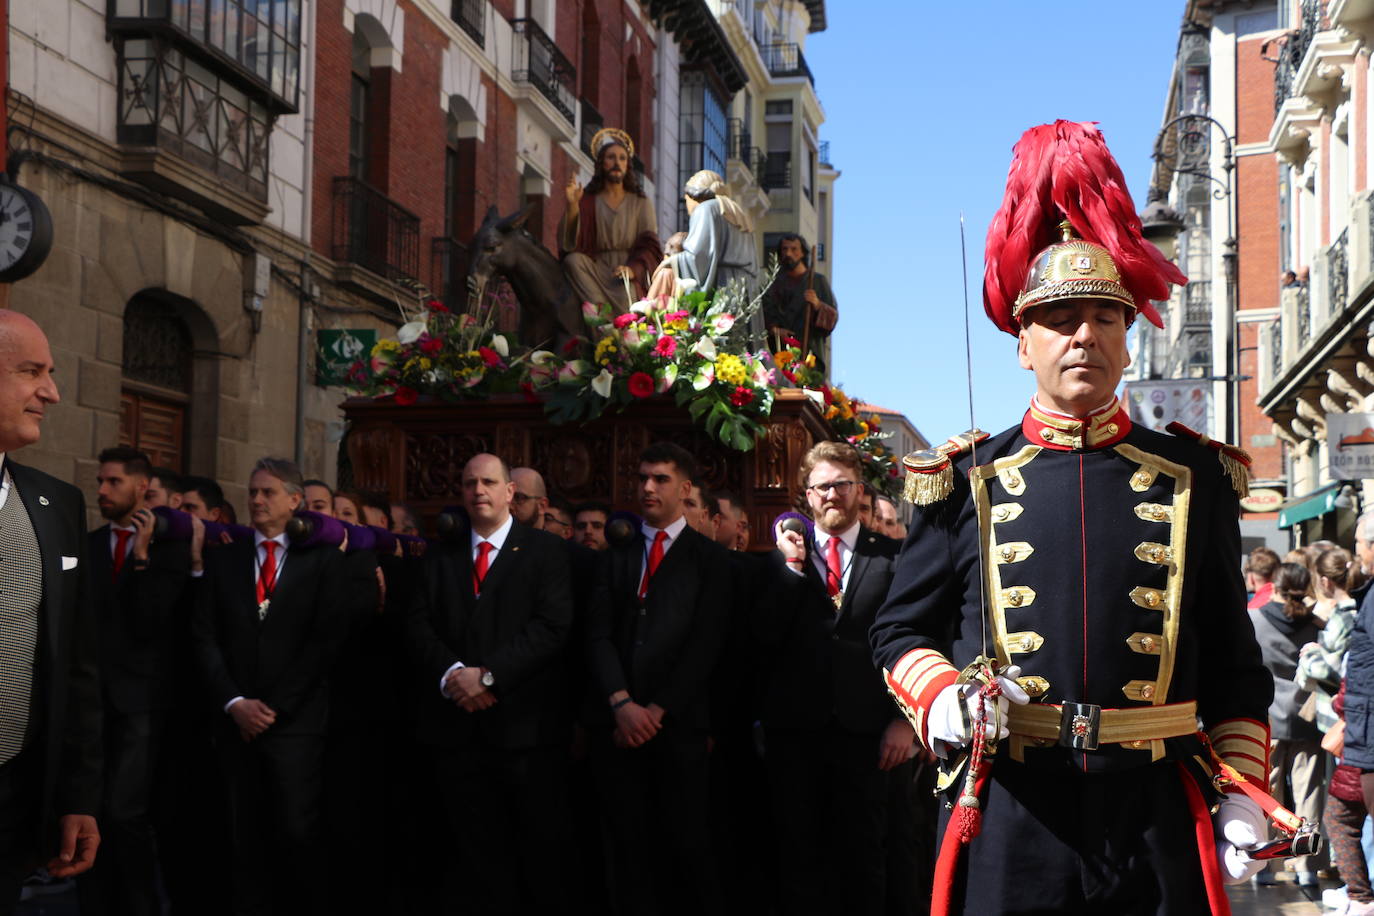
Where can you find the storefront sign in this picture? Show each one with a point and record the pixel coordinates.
(337, 349)
(1350, 445)
(1155, 403)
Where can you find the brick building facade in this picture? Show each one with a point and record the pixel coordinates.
(224, 188)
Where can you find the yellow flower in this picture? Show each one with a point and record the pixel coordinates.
(831, 412)
(810, 360)
(385, 345)
(875, 421)
(605, 348)
(730, 369)
(863, 429)
(425, 363)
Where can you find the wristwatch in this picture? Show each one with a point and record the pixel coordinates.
(487, 679)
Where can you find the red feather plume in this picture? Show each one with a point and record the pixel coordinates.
(1065, 171)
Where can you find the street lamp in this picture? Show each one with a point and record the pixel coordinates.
(1184, 147)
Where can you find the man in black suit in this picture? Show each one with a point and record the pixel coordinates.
(487, 632)
(656, 623)
(49, 670)
(834, 738)
(141, 585)
(267, 624)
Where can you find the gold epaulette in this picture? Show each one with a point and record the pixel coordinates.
(1234, 459)
(930, 471)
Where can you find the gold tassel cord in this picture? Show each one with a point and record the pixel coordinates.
(925, 488)
(1237, 471)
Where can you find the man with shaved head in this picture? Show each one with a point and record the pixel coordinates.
(50, 707)
(488, 629)
(531, 498)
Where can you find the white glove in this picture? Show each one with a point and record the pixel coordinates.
(1239, 824)
(945, 723)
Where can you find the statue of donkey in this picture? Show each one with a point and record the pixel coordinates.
(549, 311)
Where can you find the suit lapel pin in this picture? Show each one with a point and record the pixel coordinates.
(42, 500)
(514, 549)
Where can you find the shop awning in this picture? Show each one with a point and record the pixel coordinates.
(1313, 505)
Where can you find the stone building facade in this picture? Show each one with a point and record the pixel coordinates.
(224, 188)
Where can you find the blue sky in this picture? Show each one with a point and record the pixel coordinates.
(923, 103)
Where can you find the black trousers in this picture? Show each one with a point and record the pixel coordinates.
(274, 785)
(830, 813)
(655, 803)
(21, 785)
(508, 830)
(124, 880)
(1059, 841)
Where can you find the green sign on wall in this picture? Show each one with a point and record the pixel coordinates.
(337, 349)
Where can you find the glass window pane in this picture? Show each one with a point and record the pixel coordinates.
(217, 23)
(278, 65)
(231, 30)
(279, 16)
(198, 19)
(180, 11)
(249, 56)
(293, 21)
(293, 74)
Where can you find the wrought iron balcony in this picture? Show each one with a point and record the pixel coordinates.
(777, 171)
(739, 139)
(449, 261)
(539, 63)
(471, 17)
(1338, 273)
(257, 45)
(823, 153)
(373, 231)
(1197, 303)
(820, 251)
(1295, 49)
(785, 59)
(168, 102)
(591, 123)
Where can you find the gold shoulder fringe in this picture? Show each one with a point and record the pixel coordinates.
(930, 472)
(1235, 461)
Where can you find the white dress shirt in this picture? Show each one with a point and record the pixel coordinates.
(4, 480)
(497, 540)
(847, 541)
(114, 540)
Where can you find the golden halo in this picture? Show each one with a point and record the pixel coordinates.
(611, 135)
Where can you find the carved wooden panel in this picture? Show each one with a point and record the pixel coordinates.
(155, 426)
(434, 464)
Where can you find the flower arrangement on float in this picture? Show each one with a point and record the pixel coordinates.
(681, 346)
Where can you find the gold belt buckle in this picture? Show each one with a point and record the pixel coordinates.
(1078, 725)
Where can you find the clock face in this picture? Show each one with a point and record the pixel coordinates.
(16, 225)
(25, 232)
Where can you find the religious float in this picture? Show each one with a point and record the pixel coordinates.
(579, 404)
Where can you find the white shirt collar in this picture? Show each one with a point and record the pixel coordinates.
(1035, 400)
(498, 537)
(259, 537)
(848, 538)
(674, 529)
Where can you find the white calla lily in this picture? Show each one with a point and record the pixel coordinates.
(410, 332)
(498, 343)
(705, 348)
(602, 383)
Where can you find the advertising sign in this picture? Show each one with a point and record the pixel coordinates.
(1350, 445)
(337, 349)
(1155, 403)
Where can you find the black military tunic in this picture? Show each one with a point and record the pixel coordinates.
(1112, 577)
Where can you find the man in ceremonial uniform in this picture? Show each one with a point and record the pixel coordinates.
(609, 233)
(1108, 593)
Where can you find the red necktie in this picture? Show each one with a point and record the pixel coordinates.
(120, 550)
(479, 569)
(655, 558)
(267, 574)
(834, 575)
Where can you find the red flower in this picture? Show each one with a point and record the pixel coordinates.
(892, 471)
(641, 384)
(741, 396)
(490, 357)
(406, 396)
(790, 376)
(624, 321)
(528, 389)
(825, 393)
(570, 348)
(430, 345)
(791, 341)
(665, 347)
(436, 306)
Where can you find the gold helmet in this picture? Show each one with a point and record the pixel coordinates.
(1072, 268)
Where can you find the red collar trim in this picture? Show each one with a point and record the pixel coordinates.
(1104, 428)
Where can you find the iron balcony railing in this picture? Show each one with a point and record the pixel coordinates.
(739, 138)
(786, 59)
(1338, 273)
(823, 153)
(373, 231)
(777, 171)
(471, 17)
(591, 123)
(820, 251)
(538, 62)
(1302, 314)
(448, 271)
(1197, 302)
(1295, 49)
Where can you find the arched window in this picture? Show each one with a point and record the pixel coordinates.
(156, 392)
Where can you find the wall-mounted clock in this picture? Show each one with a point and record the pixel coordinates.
(25, 231)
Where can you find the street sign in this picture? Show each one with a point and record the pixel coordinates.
(1350, 445)
(337, 349)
